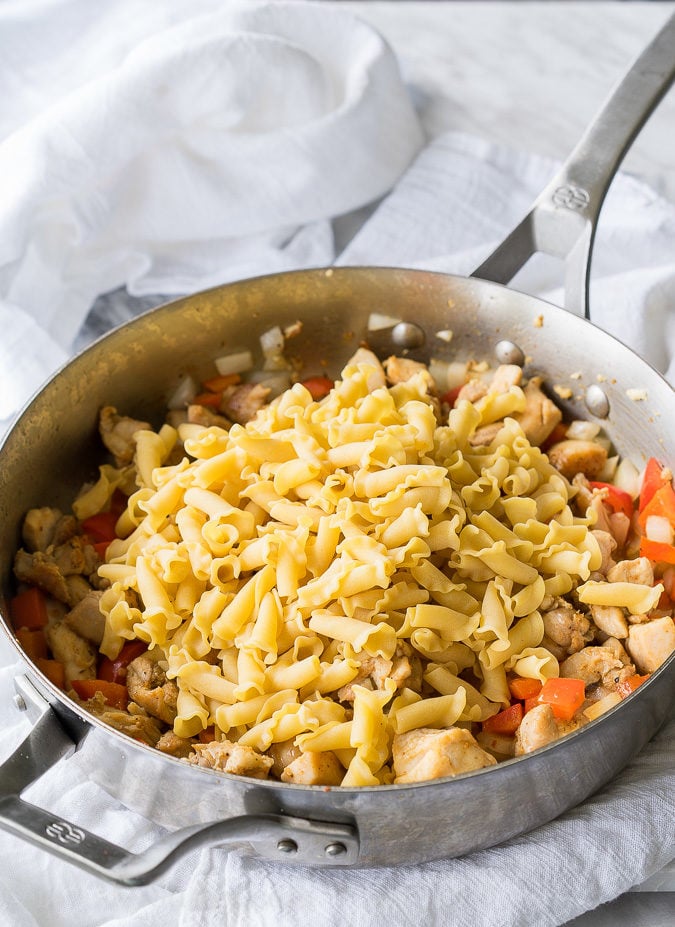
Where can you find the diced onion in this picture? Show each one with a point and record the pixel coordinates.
(237, 362)
(658, 528)
(445, 334)
(184, 393)
(582, 431)
(377, 321)
(627, 477)
(276, 383)
(602, 705)
(438, 370)
(272, 341)
(457, 372)
(606, 475)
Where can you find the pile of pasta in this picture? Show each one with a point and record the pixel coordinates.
(275, 556)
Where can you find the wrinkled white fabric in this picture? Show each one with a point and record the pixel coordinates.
(451, 206)
(173, 146)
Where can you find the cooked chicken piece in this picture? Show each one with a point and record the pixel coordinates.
(638, 619)
(174, 745)
(538, 728)
(473, 390)
(45, 526)
(607, 546)
(86, 618)
(590, 664)
(540, 415)
(504, 377)
(610, 619)
(573, 456)
(134, 722)
(402, 369)
(584, 493)
(314, 768)
(652, 643)
(77, 655)
(149, 688)
(619, 524)
(207, 418)
(117, 433)
(639, 571)
(232, 758)
(486, 434)
(78, 588)
(374, 671)
(427, 753)
(75, 556)
(566, 627)
(558, 652)
(39, 569)
(364, 356)
(283, 753)
(242, 403)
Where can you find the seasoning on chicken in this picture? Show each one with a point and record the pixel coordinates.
(638, 571)
(207, 418)
(567, 627)
(174, 745)
(134, 722)
(374, 670)
(45, 526)
(402, 369)
(117, 433)
(574, 455)
(242, 403)
(238, 759)
(590, 664)
(610, 619)
(540, 415)
(537, 729)
(149, 688)
(77, 655)
(314, 768)
(39, 569)
(427, 753)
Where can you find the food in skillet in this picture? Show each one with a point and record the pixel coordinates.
(355, 583)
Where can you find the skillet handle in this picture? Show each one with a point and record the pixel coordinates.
(275, 836)
(563, 218)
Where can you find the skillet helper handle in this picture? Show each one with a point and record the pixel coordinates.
(274, 836)
(563, 218)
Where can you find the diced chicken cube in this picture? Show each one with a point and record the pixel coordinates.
(149, 688)
(314, 768)
(610, 619)
(402, 369)
(427, 753)
(45, 526)
(573, 456)
(242, 403)
(567, 627)
(77, 655)
(639, 571)
(117, 433)
(174, 745)
(537, 729)
(238, 759)
(540, 415)
(590, 664)
(652, 643)
(86, 618)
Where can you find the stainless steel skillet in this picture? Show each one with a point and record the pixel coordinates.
(53, 448)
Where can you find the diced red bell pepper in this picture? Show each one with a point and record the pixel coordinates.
(53, 670)
(506, 722)
(219, 383)
(559, 433)
(318, 387)
(651, 481)
(657, 551)
(100, 527)
(212, 400)
(116, 670)
(28, 609)
(565, 696)
(523, 688)
(630, 685)
(617, 499)
(114, 693)
(662, 504)
(450, 398)
(118, 502)
(33, 643)
(207, 735)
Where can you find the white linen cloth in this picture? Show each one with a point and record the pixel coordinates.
(452, 204)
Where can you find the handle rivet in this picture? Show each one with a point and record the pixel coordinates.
(335, 849)
(407, 335)
(20, 702)
(287, 846)
(508, 352)
(596, 401)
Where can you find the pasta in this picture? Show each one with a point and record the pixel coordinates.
(341, 571)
